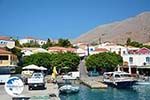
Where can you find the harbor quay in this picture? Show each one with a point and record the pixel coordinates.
(49, 93)
(93, 84)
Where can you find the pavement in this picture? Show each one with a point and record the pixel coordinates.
(50, 93)
(83, 73)
(83, 70)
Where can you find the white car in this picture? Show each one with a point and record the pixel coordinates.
(71, 76)
(37, 80)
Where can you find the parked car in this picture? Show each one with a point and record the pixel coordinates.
(71, 75)
(93, 73)
(37, 80)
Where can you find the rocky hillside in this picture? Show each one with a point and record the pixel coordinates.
(137, 28)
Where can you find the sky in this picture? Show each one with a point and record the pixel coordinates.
(63, 18)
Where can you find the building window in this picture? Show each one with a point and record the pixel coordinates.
(148, 60)
(91, 49)
(3, 57)
(131, 60)
(124, 52)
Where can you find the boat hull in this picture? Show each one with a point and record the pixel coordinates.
(68, 89)
(122, 84)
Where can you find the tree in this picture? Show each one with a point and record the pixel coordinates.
(60, 60)
(128, 41)
(64, 43)
(48, 44)
(39, 59)
(66, 60)
(107, 61)
(136, 44)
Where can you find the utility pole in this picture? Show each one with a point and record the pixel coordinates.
(88, 52)
(100, 40)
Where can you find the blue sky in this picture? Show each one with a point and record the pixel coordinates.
(63, 18)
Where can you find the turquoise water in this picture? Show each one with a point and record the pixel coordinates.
(138, 92)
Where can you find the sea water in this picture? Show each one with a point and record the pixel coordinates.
(138, 92)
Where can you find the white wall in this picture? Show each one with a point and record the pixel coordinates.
(138, 60)
(3, 43)
(41, 42)
(22, 41)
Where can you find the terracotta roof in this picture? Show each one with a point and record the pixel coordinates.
(3, 51)
(30, 38)
(140, 51)
(143, 51)
(132, 51)
(56, 48)
(61, 49)
(5, 38)
(101, 50)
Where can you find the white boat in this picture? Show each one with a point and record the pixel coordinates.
(67, 89)
(143, 81)
(119, 79)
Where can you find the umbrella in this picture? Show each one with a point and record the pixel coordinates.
(32, 67)
(42, 68)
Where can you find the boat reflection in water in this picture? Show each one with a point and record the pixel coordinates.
(119, 79)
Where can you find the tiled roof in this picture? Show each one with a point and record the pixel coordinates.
(30, 38)
(61, 49)
(140, 51)
(143, 51)
(5, 38)
(3, 51)
(101, 50)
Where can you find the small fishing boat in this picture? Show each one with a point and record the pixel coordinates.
(119, 79)
(68, 89)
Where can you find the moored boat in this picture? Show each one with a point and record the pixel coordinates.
(68, 89)
(119, 79)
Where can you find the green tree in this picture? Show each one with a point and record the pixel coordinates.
(136, 44)
(48, 44)
(39, 59)
(64, 43)
(66, 60)
(107, 61)
(128, 41)
(60, 60)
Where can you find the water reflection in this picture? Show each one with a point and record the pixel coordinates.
(138, 92)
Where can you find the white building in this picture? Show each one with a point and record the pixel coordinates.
(140, 57)
(6, 41)
(30, 51)
(30, 39)
(41, 42)
(84, 49)
(114, 48)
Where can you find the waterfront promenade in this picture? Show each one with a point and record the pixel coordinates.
(92, 82)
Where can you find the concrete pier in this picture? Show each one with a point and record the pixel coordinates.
(93, 83)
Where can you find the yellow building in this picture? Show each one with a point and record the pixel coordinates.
(7, 58)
